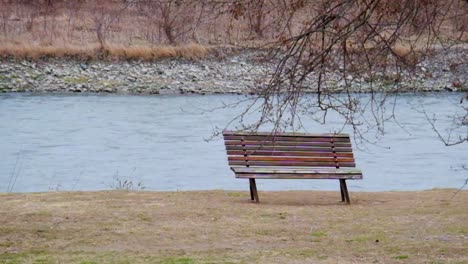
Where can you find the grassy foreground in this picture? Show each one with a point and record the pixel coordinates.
(224, 227)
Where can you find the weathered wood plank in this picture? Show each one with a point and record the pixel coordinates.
(285, 143)
(289, 153)
(289, 139)
(256, 170)
(286, 134)
(302, 159)
(298, 176)
(289, 148)
(290, 163)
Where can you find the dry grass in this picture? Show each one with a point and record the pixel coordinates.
(32, 51)
(69, 29)
(224, 227)
(409, 55)
(72, 28)
(37, 51)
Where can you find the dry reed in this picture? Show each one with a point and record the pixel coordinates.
(109, 51)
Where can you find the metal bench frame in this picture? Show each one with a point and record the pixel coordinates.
(264, 155)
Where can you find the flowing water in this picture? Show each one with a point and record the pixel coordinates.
(95, 142)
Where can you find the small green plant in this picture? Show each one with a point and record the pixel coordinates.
(402, 257)
(173, 260)
(318, 234)
(42, 261)
(6, 244)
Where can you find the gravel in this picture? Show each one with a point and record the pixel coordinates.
(238, 74)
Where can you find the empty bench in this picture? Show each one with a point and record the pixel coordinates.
(291, 156)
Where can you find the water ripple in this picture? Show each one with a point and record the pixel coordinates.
(82, 142)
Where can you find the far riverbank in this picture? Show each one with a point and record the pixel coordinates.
(236, 73)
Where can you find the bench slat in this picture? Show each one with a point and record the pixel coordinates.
(302, 159)
(286, 143)
(298, 176)
(290, 163)
(283, 134)
(297, 173)
(289, 148)
(290, 139)
(297, 170)
(289, 153)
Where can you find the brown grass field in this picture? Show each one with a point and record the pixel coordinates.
(225, 227)
(160, 28)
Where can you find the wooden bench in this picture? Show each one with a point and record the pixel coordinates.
(291, 156)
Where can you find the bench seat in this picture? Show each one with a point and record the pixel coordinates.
(296, 173)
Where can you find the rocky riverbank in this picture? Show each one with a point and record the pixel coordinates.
(447, 71)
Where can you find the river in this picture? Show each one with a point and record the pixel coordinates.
(97, 142)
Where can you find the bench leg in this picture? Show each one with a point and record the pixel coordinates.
(253, 191)
(344, 190)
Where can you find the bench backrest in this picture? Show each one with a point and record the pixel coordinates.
(288, 149)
